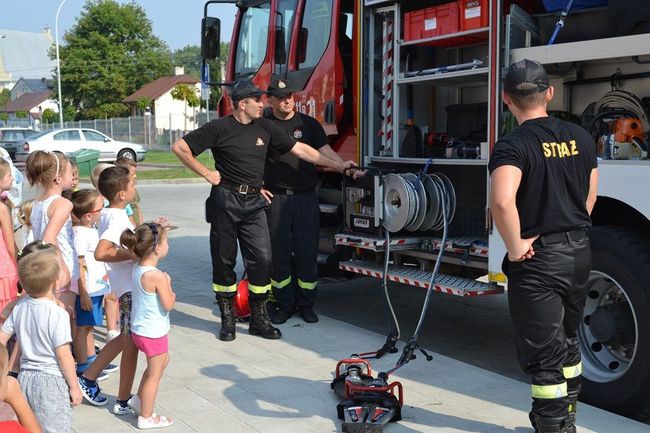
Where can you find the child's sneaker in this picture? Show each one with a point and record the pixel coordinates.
(122, 408)
(152, 422)
(134, 403)
(91, 392)
(101, 376)
(110, 368)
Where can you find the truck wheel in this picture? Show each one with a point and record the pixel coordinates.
(615, 330)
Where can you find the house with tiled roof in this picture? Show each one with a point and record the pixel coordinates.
(29, 85)
(25, 55)
(33, 104)
(169, 113)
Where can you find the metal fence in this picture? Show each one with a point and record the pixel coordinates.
(140, 129)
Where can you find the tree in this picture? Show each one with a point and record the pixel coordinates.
(49, 116)
(5, 96)
(142, 104)
(183, 92)
(21, 114)
(189, 57)
(110, 53)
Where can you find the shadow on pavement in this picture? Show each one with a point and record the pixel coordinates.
(280, 391)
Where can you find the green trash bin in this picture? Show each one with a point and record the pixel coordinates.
(86, 160)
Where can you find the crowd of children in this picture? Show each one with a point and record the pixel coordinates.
(85, 251)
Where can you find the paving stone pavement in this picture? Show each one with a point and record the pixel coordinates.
(257, 385)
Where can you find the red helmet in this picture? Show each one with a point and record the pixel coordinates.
(240, 302)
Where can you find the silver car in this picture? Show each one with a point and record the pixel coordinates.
(70, 140)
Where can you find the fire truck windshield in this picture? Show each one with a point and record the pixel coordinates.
(252, 41)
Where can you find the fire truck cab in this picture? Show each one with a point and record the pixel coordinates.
(412, 88)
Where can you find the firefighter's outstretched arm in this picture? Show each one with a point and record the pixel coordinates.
(503, 202)
(184, 154)
(309, 154)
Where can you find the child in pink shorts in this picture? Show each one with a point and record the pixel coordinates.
(153, 298)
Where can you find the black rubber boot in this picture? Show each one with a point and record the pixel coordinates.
(260, 323)
(227, 331)
(573, 389)
(551, 425)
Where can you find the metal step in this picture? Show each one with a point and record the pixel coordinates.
(469, 245)
(412, 276)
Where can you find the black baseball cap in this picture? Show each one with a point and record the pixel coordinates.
(245, 89)
(279, 89)
(526, 72)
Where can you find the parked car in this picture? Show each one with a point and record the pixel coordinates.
(70, 140)
(12, 137)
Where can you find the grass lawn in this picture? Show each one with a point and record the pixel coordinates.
(162, 157)
(167, 173)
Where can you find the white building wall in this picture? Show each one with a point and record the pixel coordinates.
(166, 108)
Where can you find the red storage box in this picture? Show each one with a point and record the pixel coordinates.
(474, 14)
(430, 22)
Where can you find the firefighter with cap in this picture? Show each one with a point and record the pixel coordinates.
(235, 208)
(290, 186)
(544, 178)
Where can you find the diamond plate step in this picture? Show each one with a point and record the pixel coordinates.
(411, 276)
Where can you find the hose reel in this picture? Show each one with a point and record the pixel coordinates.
(414, 203)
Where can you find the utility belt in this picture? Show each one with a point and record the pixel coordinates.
(559, 237)
(283, 191)
(241, 189)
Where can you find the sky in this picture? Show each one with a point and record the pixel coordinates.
(177, 22)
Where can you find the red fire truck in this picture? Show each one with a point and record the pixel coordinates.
(412, 88)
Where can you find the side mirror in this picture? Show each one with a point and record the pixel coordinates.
(210, 38)
(280, 49)
(106, 140)
(302, 45)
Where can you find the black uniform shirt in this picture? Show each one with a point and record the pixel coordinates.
(556, 159)
(288, 171)
(239, 150)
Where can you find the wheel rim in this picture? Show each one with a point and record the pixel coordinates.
(604, 357)
(128, 155)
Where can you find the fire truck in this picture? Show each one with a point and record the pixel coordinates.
(411, 90)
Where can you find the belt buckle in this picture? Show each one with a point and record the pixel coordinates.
(242, 189)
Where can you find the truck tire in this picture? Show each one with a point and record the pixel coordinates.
(615, 331)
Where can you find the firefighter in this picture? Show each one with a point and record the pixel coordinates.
(235, 208)
(290, 187)
(544, 177)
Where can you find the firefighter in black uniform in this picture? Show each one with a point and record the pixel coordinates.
(544, 180)
(235, 208)
(290, 186)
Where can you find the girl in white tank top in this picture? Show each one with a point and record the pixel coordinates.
(50, 217)
(153, 299)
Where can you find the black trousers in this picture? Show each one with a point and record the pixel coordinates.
(238, 217)
(294, 227)
(546, 296)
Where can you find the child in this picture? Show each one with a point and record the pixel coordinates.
(8, 271)
(153, 299)
(11, 395)
(112, 308)
(116, 185)
(133, 209)
(24, 216)
(93, 280)
(42, 329)
(51, 214)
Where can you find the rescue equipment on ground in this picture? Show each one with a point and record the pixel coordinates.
(409, 202)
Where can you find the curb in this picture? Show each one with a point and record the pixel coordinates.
(87, 183)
